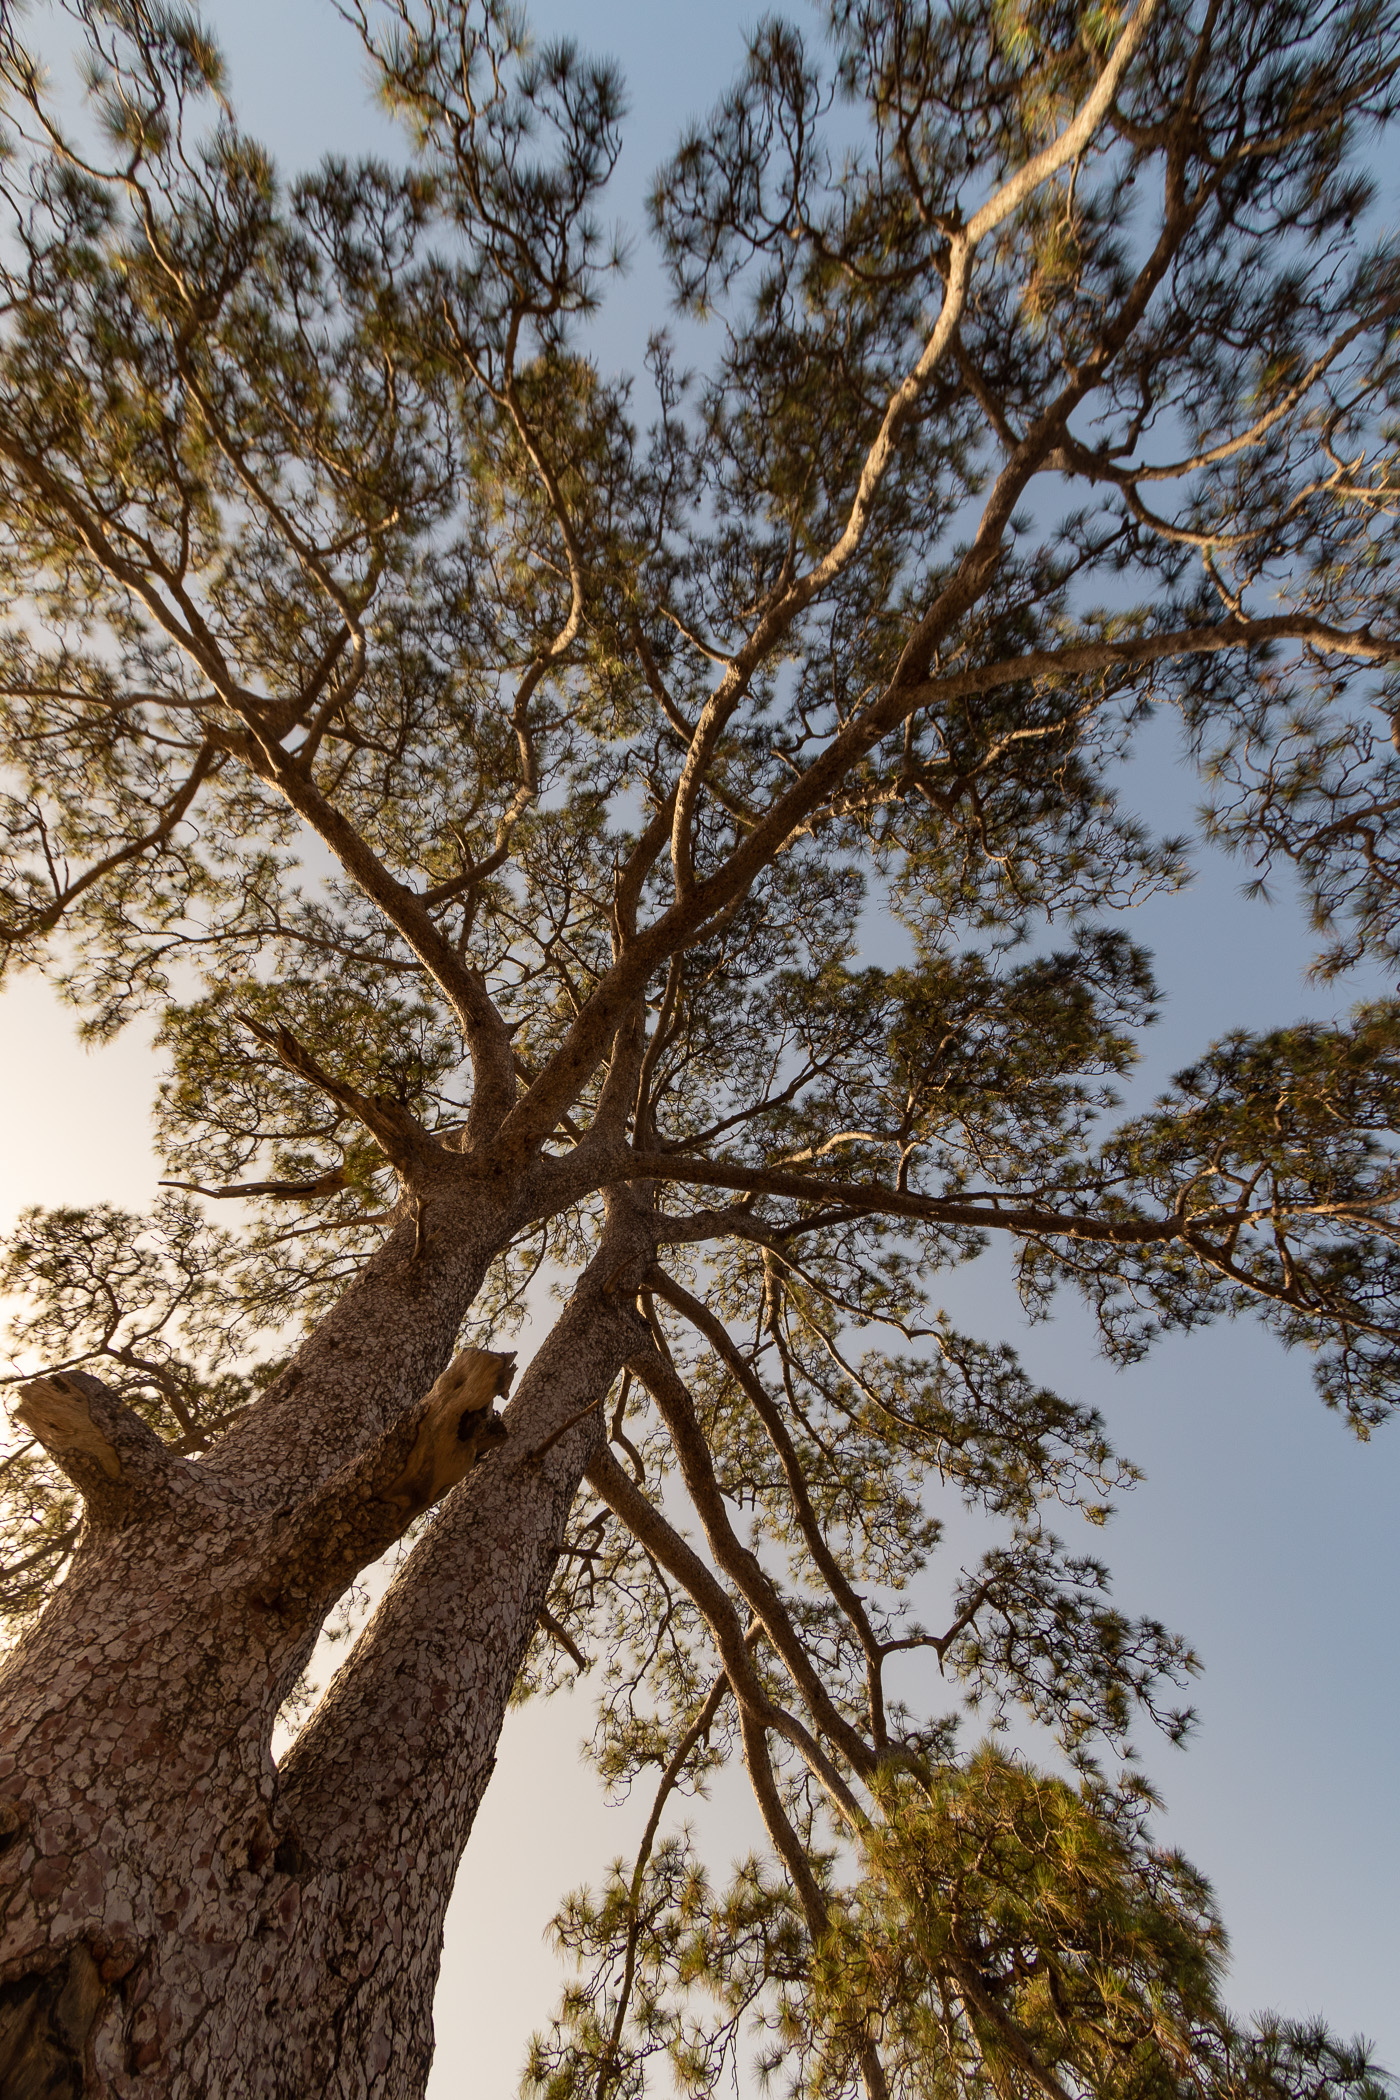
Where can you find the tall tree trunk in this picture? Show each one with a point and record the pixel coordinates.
(176, 1916)
(383, 1785)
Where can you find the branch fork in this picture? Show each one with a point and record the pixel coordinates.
(396, 1130)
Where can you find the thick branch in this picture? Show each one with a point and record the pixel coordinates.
(846, 1596)
(1082, 658)
(327, 1184)
(793, 1853)
(395, 1129)
(206, 760)
(865, 1198)
(883, 451)
(117, 1463)
(487, 1037)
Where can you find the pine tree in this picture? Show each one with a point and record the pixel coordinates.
(481, 765)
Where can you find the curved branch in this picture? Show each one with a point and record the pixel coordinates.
(722, 1342)
(671, 1552)
(206, 760)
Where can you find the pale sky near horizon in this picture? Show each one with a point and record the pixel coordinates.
(1263, 1532)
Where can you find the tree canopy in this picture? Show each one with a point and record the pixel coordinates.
(487, 769)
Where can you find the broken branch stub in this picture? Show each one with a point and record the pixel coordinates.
(455, 1425)
(371, 1501)
(112, 1457)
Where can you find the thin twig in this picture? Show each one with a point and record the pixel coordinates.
(532, 1458)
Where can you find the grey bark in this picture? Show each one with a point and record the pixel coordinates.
(178, 1916)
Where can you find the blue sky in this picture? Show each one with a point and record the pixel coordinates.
(1263, 1531)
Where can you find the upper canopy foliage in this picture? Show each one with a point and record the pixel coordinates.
(478, 760)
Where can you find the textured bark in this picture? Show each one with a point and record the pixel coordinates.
(384, 1783)
(175, 1915)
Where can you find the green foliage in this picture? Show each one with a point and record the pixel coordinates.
(650, 1945)
(1278, 1155)
(1004, 1915)
(427, 725)
(1005, 1933)
(152, 1305)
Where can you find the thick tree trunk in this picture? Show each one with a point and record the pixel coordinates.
(175, 1915)
(383, 1785)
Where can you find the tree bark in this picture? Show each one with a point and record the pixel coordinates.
(176, 1915)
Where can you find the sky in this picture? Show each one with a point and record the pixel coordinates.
(1263, 1531)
